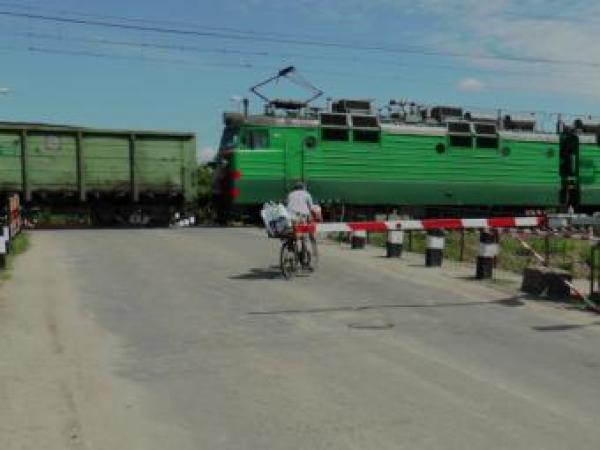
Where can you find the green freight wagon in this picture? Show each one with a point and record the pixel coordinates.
(119, 176)
(431, 158)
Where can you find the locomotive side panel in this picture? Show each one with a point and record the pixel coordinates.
(408, 169)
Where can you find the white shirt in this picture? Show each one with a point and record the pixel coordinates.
(299, 202)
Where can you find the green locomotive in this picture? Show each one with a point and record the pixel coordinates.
(117, 176)
(410, 157)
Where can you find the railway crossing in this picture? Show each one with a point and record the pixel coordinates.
(490, 229)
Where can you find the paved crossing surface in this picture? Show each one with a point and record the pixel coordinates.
(189, 339)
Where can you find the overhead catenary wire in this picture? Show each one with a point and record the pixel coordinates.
(569, 16)
(257, 67)
(287, 56)
(244, 52)
(144, 21)
(240, 34)
(248, 36)
(106, 55)
(134, 57)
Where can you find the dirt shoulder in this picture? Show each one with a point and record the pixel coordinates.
(57, 389)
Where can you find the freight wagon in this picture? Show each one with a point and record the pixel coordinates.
(432, 158)
(118, 176)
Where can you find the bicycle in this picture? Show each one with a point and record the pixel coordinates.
(294, 257)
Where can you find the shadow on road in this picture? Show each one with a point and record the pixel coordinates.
(511, 301)
(259, 274)
(564, 327)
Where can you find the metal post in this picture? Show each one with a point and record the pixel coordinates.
(410, 241)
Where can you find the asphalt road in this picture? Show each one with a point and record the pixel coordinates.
(189, 339)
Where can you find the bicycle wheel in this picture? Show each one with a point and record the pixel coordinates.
(288, 259)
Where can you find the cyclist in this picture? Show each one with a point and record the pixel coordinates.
(299, 204)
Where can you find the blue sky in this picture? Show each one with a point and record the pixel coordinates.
(523, 55)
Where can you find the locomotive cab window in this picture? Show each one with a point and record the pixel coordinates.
(229, 138)
(255, 139)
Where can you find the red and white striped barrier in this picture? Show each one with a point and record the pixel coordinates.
(574, 291)
(425, 224)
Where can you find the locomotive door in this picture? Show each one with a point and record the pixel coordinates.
(569, 168)
(292, 158)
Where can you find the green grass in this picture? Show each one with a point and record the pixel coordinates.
(571, 255)
(18, 245)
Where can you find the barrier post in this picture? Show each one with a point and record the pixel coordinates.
(7, 236)
(395, 240)
(358, 240)
(434, 254)
(594, 279)
(488, 250)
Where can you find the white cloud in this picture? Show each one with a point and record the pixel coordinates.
(206, 154)
(534, 30)
(470, 85)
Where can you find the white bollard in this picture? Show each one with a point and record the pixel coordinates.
(7, 236)
(434, 255)
(3, 242)
(358, 240)
(395, 241)
(488, 250)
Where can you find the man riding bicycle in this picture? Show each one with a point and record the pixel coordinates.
(299, 203)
